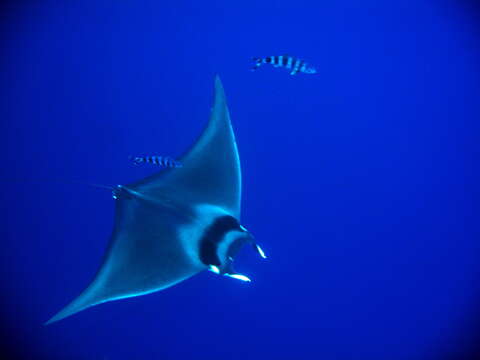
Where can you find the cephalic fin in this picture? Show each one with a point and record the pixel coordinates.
(229, 271)
(259, 251)
(239, 277)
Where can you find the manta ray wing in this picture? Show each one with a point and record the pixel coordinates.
(158, 227)
(146, 253)
(211, 168)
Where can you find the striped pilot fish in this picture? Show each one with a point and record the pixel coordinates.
(292, 63)
(164, 161)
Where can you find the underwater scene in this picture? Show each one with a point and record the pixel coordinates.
(198, 180)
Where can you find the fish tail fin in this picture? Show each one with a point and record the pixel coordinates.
(258, 61)
(133, 159)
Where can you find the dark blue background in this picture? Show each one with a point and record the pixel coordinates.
(358, 182)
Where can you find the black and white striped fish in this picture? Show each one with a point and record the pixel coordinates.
(292, 63)
(164, 161)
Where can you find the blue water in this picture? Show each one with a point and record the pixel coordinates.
(358, 181)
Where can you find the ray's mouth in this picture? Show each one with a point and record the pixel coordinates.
(222, 241)
(227, 268)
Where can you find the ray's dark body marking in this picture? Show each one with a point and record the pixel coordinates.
(213, 236)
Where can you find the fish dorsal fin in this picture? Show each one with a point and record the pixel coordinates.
(211, 168)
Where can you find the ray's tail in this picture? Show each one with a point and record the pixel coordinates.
(58, 181)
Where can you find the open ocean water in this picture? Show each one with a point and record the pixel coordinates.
(360, 182)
